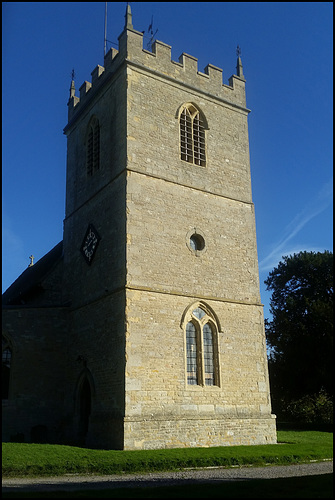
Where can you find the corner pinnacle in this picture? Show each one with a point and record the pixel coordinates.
(239, 67)
(72, 87)
(128, 18)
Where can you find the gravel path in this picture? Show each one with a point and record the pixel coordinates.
(77, 482)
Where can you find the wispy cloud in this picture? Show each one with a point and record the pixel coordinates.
(317, 205)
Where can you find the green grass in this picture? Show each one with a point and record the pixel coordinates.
(25, 459)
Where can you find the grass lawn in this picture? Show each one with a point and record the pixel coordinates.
(27, 459)
(24, 459)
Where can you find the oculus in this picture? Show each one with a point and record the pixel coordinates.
(195, 241)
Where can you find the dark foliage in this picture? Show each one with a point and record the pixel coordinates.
(300, 335)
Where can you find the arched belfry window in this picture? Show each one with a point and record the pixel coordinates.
(201, 329)
(6, 366)
(192, 136)
(93, 147)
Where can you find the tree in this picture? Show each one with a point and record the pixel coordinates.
(300, 335)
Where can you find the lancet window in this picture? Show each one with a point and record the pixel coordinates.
(93, 147)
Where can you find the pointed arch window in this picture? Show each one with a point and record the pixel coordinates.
(208, 355)
(6, 366)
(202, 357)
(191, 354)
(93, 147)
(192, 136)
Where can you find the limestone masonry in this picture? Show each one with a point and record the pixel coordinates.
(144, 327)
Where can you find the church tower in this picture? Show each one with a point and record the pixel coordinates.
(165, 343)
(160, 252)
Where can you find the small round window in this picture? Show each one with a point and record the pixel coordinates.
(197, 242)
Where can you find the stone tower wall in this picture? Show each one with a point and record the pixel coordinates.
(162, 410)
(167, 200)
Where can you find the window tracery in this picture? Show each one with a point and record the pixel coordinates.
(201, 335)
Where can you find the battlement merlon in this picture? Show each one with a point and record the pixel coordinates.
(159, 62)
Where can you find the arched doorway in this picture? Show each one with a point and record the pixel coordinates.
(85, 404)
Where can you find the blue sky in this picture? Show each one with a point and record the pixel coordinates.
(288, 64)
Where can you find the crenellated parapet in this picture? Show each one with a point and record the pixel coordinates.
(158, 62)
